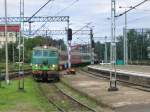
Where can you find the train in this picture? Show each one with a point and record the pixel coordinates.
(47, 61)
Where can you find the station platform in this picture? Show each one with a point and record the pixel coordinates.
(132, 69)
(131, 73)
(125, 100)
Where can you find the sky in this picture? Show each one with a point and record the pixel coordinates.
(82, 12)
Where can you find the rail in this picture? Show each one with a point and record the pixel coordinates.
(14, 74)
(84, 105)
(64, 94)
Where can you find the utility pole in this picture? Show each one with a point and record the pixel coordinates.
(13, 41)
(125, 42)
(106, 59)
(6, 44)
(125, 39)
(22, 13)
(113, 81)
(21, 48)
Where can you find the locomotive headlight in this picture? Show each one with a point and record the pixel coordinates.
(54, 66)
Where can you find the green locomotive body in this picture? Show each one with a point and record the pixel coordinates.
(45, 63)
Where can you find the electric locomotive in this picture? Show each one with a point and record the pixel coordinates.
(45, 63)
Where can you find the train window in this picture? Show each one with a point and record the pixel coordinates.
(45, 53)
(37, 53)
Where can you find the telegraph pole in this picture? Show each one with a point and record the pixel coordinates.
(6, 44)
(113, 82)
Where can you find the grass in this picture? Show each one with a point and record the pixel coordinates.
(80, 97)
(12, 100)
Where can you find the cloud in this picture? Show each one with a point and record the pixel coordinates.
(82, 12)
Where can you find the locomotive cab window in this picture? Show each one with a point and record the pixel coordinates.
(37, 53)
(45, 53)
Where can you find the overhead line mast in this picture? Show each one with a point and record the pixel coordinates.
(113, 81)
(132, 8)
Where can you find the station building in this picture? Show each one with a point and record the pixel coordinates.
(13, 31)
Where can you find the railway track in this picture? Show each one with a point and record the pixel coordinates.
(14, 74)
(70, 103)
(125, 83)
(49, 100)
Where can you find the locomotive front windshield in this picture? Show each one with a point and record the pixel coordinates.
(45, 53)
(37, 53)
(48, 56)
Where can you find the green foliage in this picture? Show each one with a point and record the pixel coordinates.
(30, 43)
(119, 48)
(137, 45)
(100, 49)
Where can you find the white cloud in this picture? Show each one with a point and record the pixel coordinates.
(82, 12)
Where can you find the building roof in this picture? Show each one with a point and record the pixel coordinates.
(10, 28)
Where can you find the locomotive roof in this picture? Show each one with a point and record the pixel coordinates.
(47, 47)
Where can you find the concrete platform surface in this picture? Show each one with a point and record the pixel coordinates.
(132, 68)
(125, 100)
(135, 70)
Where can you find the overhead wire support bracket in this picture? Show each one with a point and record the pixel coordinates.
(132, 8)
(60, 32)
(36, 19)
(39, 10)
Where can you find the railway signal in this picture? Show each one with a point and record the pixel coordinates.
(92, 46)
(69, 34)
(69, 38)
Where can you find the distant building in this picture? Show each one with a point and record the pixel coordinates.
(12, 34)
